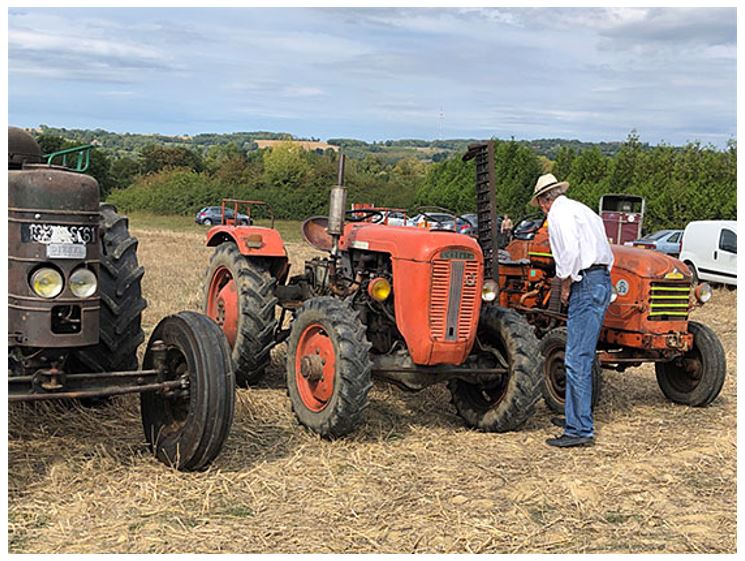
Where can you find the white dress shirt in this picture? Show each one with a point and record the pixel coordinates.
(577, 237)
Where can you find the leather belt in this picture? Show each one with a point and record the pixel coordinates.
(594, 267)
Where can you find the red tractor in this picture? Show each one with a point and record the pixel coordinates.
(647, 320)
(405, 304)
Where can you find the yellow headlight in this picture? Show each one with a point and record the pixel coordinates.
(379, 289)
(489, 291)
(83, 283)
(47, 282)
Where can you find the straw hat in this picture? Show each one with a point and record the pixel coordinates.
(545, 184)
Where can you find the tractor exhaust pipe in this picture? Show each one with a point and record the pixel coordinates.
(337, 207)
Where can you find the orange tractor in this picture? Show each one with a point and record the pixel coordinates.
(647, 320)
(405, 304)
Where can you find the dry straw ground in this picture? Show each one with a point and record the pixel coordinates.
(660, 479)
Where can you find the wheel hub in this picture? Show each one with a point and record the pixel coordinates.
(315, 367)
(311, 367)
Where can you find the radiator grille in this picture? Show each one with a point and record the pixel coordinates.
(453, 299)
(669, 301)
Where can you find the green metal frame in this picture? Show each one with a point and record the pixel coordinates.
(82, 157)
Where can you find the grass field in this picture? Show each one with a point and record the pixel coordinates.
(661, 478)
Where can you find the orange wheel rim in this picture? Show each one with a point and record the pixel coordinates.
(222, 303)
(315, 367)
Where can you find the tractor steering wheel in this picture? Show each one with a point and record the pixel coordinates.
(426, 210)
(363, 214)
(528, 226)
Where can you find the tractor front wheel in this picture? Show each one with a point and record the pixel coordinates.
(328, 367)
(697, 377)
(239, 296)
(186, 427)
(506, 403)
(553, 347)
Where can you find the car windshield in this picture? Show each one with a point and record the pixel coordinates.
(656, 235)
(438, 217)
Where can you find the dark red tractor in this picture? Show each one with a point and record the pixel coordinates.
(74, 310)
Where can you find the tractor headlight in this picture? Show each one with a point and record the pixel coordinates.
(703, 292)
(83, 283)
(47, 282)
(379, 289)
(613, 294)
(489, 291)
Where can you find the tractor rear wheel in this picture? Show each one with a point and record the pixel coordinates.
(121, 300)
(186, 428)
(239, 296)
(697, 377)
(328, 367)
(508, 402)
(552, 347)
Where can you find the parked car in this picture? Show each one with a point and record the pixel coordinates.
(666, 241)
(210, 215)
(467, 224)
(434, 221)
(709, 248)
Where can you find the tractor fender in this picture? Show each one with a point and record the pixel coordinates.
(262, 245)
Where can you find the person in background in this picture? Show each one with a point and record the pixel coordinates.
(506, 227)
(583, 260)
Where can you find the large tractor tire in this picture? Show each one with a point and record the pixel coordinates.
(697, 377)
(121, 299)
(552, 347)
(508, 402)
(239, 296)
(186, 428)
(328, 367)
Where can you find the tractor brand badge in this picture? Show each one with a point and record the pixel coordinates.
(470, 279)
(674, 274)
(456, 254)
(622, 287)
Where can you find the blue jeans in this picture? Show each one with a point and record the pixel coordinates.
(588, 301)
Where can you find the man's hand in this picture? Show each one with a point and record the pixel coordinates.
(566, 288)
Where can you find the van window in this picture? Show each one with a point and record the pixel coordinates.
(728, 241)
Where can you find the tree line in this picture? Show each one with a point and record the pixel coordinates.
(680, 184)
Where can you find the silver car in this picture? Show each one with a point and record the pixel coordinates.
(665, 241)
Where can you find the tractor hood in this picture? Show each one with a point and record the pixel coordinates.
(404, 242)
(647, 263)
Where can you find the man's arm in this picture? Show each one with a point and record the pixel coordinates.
(566, 288)
(564, 240)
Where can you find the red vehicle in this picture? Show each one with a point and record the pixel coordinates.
(622, 217)
(647, 321)
(406, 304)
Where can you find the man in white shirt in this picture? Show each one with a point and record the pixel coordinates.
(583, 259)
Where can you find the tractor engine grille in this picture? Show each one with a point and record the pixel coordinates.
(669, 301)
(453, 299)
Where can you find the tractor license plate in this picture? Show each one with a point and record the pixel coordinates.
(66, 251)
(58, 234)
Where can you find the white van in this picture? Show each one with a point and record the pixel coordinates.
(709, 248)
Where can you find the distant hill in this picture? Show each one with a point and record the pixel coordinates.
(390, 151)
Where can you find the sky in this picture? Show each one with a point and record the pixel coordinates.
(379, 73)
